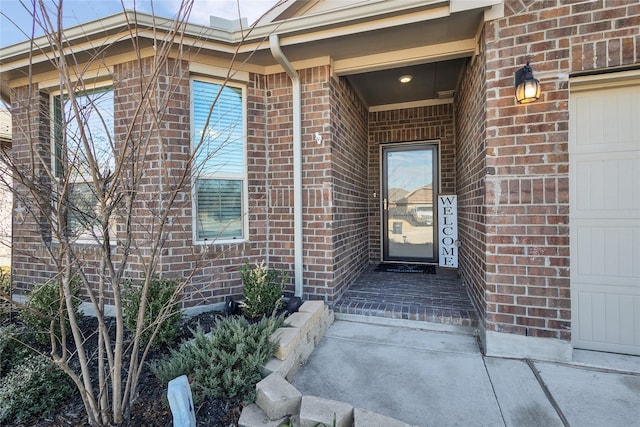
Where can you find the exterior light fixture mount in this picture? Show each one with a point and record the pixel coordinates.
(406, 78)
(527, 87)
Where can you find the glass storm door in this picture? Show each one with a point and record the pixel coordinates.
(409, 189)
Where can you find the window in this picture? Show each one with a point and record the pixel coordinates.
(74, 152)
(219, 169)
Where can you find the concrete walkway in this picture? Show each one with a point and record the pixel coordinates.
(431, 378)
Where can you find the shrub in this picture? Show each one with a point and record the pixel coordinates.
(12, 350)
(225, 364)
(5, 288)
(34, 386)
(44, 304)
(261, 289)
(159, 296)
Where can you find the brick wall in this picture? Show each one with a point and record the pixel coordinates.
(470, 117)
(508, 165)
(137, 134)
(317, 196)
(318, 186)
(163, 169)
(37, 248)
(526, 187)
(334, 181)
(31, 228)
(350, 176)
(279, 171)
(406, 125)
(213, 269)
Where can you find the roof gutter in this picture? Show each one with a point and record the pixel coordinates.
(274, 44)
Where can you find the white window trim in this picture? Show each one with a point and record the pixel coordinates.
(244, 177)
(82, 239)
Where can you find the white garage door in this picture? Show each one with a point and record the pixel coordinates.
(604, 156)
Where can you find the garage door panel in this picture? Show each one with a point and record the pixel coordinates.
(608, 321)
(601, 249)
(628, 182)
(605, 120)
(604, 188)
(614, 318)
(630, 335)
(611, 184)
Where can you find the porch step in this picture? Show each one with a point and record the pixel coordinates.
(436, 298)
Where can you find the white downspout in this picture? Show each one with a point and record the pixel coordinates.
(274, 43)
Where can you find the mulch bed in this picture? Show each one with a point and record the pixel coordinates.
(151, 407)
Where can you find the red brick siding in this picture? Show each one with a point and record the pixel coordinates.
(317, 185)
(350, 176)
(334, 181)
(157, 164)
(214, 268)
(406, 125)
(527, 189)
(470, 117)
(164, 164)
(279, 169)
(36, 250)
(317, 197)
(31, 232)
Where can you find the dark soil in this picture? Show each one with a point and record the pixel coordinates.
(150, 407)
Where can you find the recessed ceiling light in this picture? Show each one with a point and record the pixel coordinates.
(405, 79)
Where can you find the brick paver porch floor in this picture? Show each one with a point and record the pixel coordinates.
(439, 298)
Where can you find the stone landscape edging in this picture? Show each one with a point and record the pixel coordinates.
(280, 403)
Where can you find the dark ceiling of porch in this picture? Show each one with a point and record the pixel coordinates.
(435, 80)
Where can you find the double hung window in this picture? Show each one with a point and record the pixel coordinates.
(83, 142)
(219, 169)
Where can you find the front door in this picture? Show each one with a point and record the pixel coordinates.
(409, 188)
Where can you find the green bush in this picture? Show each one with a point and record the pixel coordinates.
(33, 387)
(225, 364)
(159, 296)
(44, 304)
(5, 288)
(261, 289)
(12, 350)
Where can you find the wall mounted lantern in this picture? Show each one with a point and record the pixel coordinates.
(527, 87)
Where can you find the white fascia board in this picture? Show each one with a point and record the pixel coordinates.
(494, 12)
(276, 10)
(462, 5)
(405, 57)
(218, 71)
(322, 26)
(92, 35)
(83, 31)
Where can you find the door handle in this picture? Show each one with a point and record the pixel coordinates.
(384, 203)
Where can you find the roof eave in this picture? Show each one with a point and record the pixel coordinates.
(111, 24)
(303, 24)
(354, 18)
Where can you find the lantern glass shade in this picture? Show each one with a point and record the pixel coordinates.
(527, 87)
